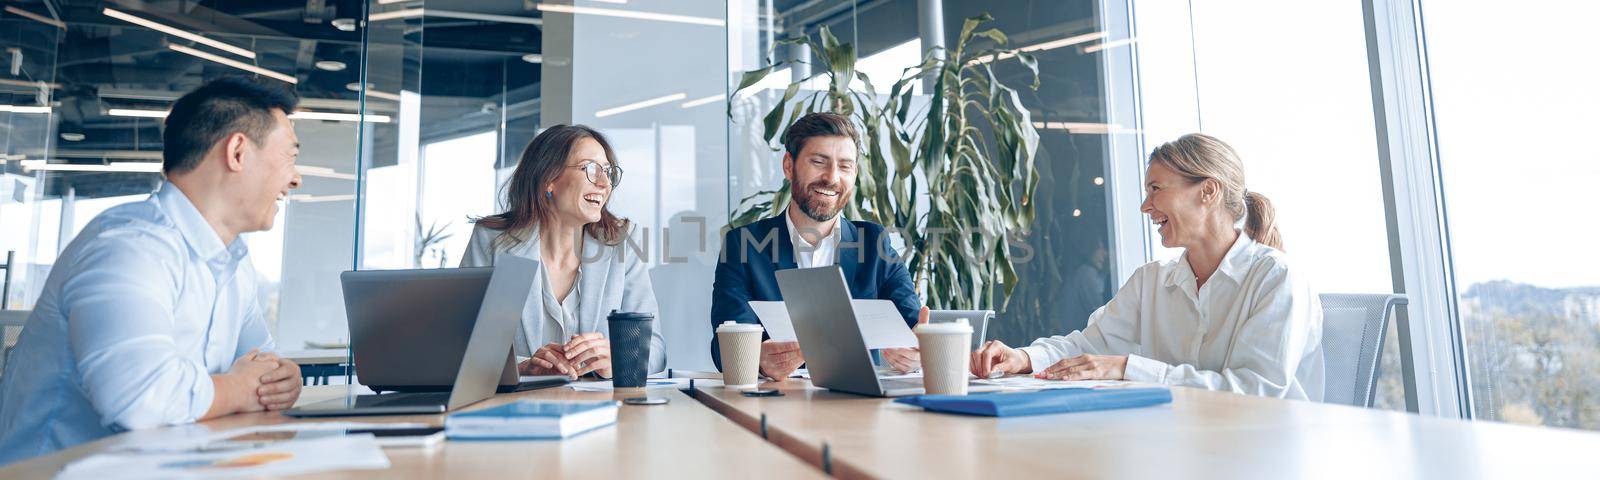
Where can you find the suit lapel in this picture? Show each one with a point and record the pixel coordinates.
(849, 249)
(533, 317)
(785, 246)
(592, 282)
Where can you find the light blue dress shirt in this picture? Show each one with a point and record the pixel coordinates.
(137, 314)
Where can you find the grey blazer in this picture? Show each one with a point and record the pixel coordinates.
(614, 278)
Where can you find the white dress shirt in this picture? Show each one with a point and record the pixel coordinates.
(137, 314)
(1254, 328)
(806, 255)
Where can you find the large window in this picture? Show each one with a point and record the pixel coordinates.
(1288, 87)
(1515, 126)
(451, 94)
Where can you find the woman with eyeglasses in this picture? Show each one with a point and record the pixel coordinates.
(556, 215)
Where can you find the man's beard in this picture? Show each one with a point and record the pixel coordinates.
(815, 205)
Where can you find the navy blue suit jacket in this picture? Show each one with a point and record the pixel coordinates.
(753, 253)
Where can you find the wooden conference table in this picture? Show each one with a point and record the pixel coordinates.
(1202, 434)
(682, 439)
(808, 431)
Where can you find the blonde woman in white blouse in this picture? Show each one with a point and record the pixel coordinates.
(1232, 313)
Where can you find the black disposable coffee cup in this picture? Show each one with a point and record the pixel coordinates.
(630, 347)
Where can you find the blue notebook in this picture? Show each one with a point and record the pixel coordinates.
(531, 419)
(1042, 402)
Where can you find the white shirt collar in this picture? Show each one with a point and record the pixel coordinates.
(194, 227)
(799, 241)
(1234, 265)
(807, 255)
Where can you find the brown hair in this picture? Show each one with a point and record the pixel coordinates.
(1197, 157)
(541, 162)
(820, 124)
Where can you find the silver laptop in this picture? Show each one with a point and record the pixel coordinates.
(824, 320)
(409, 328)
(395, 319)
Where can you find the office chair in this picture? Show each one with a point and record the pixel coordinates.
(1353, 329)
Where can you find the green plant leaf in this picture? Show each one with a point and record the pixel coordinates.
(755, 76)
(770, 123)
(966, 163)
(993, 34)
(1032, 63)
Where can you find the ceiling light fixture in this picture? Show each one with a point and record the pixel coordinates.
(533, 58)
(394, 14)
(37, 17)
(130, 167)
(344, 24)
(130, 112)
(330, 65)
(179, 33)
(702, 101)
(341, 117)
(356, 87)
(1107, 45)
(308, 198)
(25, 108)
(1079, 127)
(429, 12)
(324, 172)
(232, 63)
(611, 12)
(640, 104)
(300, 115)
(72, 136)
(1037, 47)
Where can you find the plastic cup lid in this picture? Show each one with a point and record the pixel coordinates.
(959, 326)
(731, 326)
(621, 315)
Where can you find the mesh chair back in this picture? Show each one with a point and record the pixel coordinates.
(1353, 329)
(11, 322)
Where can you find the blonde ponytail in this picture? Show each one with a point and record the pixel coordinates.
(1260, 220)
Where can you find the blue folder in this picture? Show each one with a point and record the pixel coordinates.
(1042, 402)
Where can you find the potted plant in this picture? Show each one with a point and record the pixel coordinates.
(956, 181)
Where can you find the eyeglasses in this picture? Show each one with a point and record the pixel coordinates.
(592, 170)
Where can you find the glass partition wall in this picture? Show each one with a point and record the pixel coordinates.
(88, 86)
(1067, 262)
(414, 114)
(467, 85)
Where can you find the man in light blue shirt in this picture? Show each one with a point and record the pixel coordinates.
(149, 317)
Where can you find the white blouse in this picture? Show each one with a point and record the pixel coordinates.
(1254, 328)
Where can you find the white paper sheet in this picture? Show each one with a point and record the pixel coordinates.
(1028, 382)
(880, 322)
(226, 439)
(649, 384)
(353, 452)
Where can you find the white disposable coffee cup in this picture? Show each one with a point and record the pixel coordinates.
(945, 356)
(741, 353)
